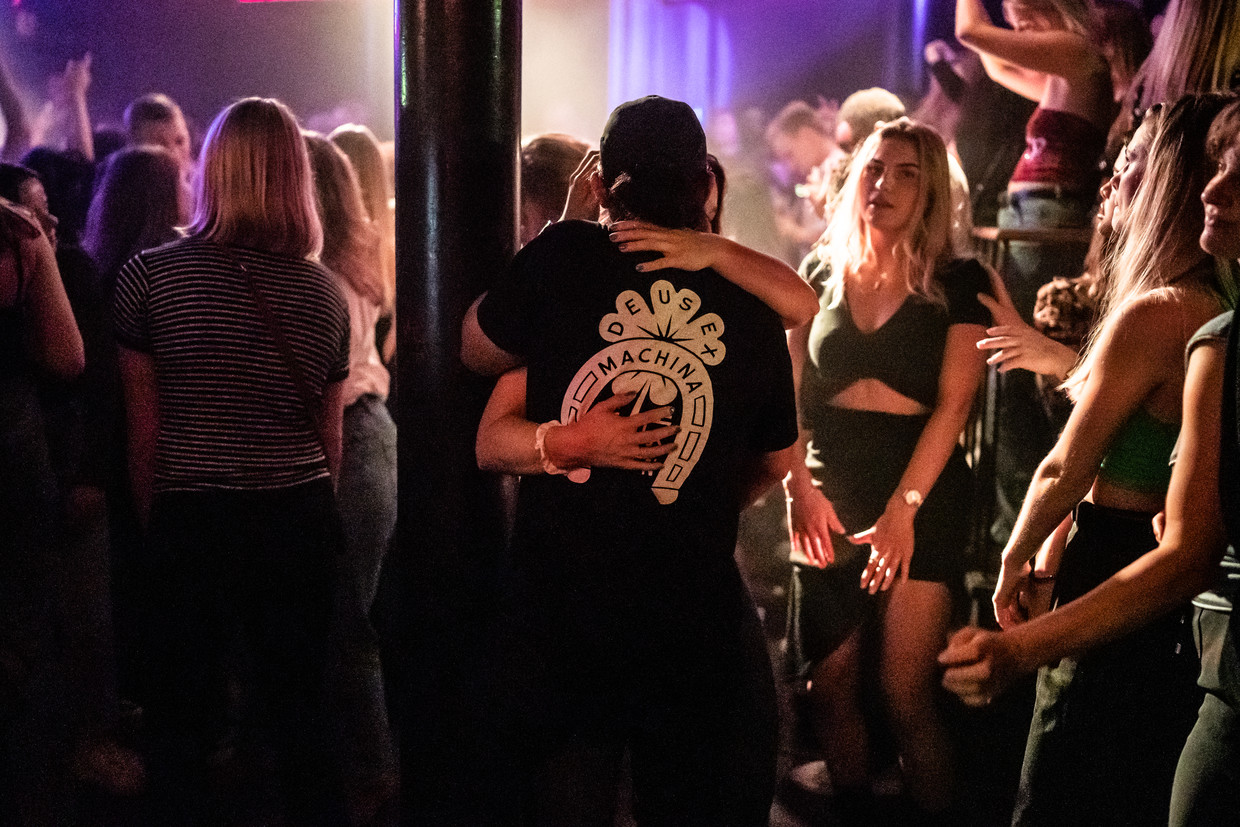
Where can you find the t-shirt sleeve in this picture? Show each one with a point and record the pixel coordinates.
(1215, 330)
(815, 270)
(130, 304)
(507, 312)
(777, 426)
(339, 369)
(964, 279)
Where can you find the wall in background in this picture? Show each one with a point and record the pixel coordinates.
(331, 59)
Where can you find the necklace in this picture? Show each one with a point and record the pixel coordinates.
(873, 286)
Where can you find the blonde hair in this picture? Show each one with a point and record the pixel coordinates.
(350, 240)
(926, 245)
(1074, 13)
(1197, 50)
(254, 185)
(362, 149)
(1163, 222)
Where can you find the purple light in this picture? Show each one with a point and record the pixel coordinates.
(680, 50)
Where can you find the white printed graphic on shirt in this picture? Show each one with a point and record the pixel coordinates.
(659, 351)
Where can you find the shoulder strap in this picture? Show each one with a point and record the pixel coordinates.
(313, 408)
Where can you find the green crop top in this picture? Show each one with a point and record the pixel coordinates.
(1140, 456)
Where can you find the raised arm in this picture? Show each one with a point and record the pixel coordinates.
(1023, 60)
(768, 278)
(69, 96)
(16, 122)
(891, 537)
(1131, 364)
(582, 201)
(982, 664)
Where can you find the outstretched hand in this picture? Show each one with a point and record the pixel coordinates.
(891, 550)
(979, 665)
(73, 82)
(1017, 345)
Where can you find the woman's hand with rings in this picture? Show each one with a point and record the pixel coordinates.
(891, 548)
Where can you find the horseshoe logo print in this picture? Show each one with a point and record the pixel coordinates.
(660, 352)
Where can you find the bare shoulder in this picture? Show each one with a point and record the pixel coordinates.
(1167, 305)
(1159, 323)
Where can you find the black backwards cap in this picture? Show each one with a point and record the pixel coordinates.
(652, 133)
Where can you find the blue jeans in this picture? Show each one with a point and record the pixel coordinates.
(1029, 264)
(366, 494)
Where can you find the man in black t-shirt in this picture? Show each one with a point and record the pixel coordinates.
(627, 623)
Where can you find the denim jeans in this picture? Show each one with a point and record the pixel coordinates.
(366, 494)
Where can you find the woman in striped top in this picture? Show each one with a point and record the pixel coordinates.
(234, 345)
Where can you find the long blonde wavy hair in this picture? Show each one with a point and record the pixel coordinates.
(1163, 223)
(1075, 14)
(1197, 50)
(351, 246)
(927, 243)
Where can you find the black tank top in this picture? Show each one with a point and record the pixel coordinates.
(906, 353)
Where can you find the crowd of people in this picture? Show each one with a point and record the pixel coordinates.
(198, 453)
(200, 462)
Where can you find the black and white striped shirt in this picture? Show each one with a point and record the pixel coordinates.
(230, 415)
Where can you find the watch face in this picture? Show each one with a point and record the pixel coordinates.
(912, 497)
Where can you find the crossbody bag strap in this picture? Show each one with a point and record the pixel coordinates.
(273, 326)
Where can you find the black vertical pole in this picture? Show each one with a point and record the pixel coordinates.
(458, 121)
